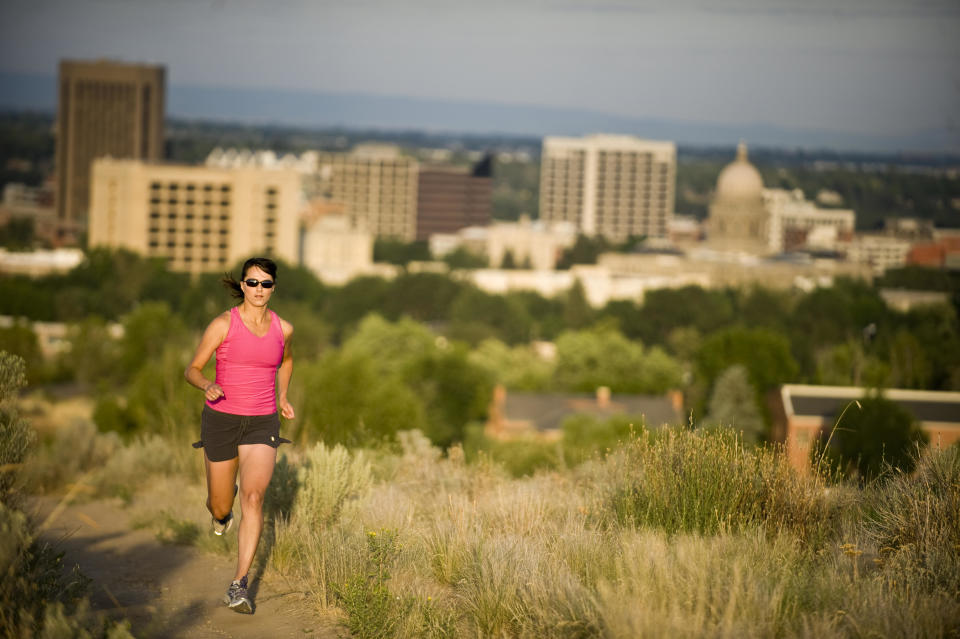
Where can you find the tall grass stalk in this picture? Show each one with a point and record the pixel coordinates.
(836, 425)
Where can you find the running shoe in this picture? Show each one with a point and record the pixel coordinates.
(221, 526)
(236, 597)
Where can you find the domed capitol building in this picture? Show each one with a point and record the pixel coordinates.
(739, 219)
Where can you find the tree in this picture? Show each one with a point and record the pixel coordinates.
(345, 401)
(585, 250)
(909, 367)
(848, 364)
(147, 331)
(94, 354)
(399, 252)
(764, 353)
(602, 356)
(454, 390)
(871, 436)
(508, 261)
(518, 368)
(667, 309)
(355, 299)
(464, 258)
(545, 313)
(391, 347)
(577, 312)
(425, 297)
(660, 372)
(937, 330)
(734, 403)
(476, 315)
(19, 339)
(17, 234)
(760, 306)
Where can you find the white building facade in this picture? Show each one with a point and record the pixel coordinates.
(790, 212)
(199, 218)
(615, 186)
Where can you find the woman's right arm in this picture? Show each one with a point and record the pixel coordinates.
(211, 340)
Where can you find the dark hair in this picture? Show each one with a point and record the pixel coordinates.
(263, 263)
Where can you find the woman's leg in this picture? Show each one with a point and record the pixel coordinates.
(221, 479)
(256, 468)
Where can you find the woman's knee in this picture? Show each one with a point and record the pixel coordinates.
(252, 499)
(219, 510)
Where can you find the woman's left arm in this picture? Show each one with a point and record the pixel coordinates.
(285, 372)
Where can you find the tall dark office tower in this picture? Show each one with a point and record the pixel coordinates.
(105, 108)
(451, 198)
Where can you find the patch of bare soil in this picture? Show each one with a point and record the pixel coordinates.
(170, 590)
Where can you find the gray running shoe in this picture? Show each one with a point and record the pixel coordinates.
(236, 597)
(220, 526)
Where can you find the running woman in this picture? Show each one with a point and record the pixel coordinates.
(239, 426)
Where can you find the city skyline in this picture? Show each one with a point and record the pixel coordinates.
(864, 70)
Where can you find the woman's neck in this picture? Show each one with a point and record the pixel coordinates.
(255, 314)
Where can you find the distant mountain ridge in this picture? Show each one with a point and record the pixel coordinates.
(316, 109)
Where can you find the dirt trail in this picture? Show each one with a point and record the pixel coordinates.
(168, 590)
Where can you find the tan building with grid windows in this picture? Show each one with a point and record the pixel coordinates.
(199, 218)
(104, 108)
(376, 185)
(616, 186)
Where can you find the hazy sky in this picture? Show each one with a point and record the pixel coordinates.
(867, 66)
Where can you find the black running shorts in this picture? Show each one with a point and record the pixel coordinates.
(221, 433)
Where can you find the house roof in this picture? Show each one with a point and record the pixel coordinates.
(828, 401)
(546, 411)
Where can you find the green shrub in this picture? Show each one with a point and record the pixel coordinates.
(707, 482)
(372, 613)
(101, 462)
(584, 436)
(36, 598)
(110, 416)
(76, 450)
(874, 435)
(328, 478)
(914, 520)
(519, 457)
(176, 531)
(129, 467)
(16, 436)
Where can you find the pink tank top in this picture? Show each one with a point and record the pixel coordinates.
(247, 368)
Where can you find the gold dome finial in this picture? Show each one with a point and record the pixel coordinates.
(742, 151)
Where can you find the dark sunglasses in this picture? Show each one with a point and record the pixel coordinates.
(252, 283)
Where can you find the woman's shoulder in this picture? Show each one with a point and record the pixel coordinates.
(285, 326)
(221, 321)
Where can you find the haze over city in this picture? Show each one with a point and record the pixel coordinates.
(855, 74)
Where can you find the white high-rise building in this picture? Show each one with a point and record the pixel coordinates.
(377, 186)
(616, 186)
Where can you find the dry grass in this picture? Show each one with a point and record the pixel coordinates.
(685, 534)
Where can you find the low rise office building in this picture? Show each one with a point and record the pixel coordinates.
(198, 218)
